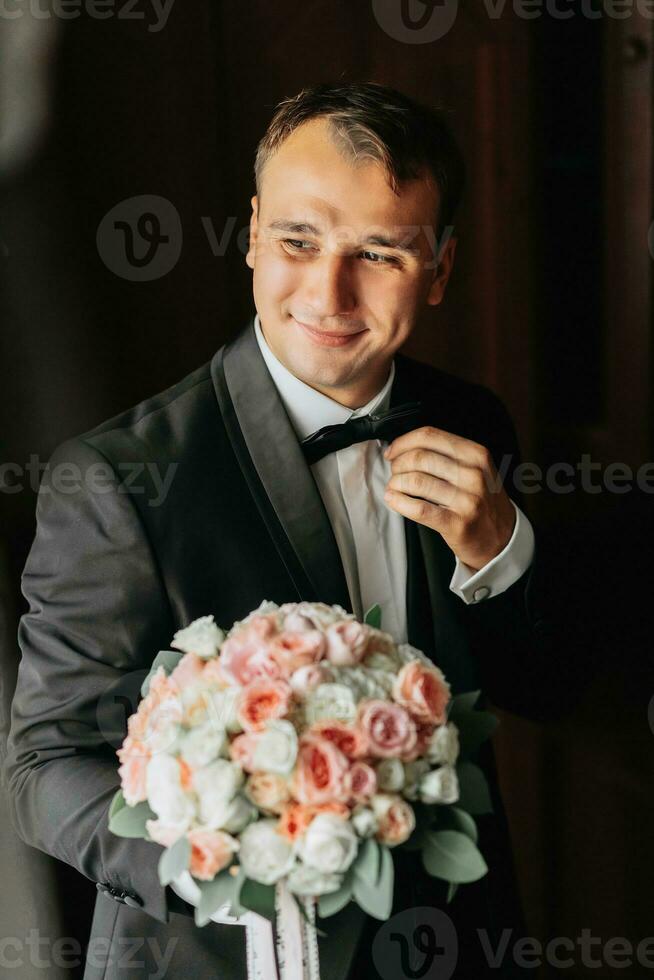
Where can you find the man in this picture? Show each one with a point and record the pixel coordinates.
(352, 184)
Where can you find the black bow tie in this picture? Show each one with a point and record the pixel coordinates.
(386, 425)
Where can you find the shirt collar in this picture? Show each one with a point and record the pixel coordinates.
(308, 409)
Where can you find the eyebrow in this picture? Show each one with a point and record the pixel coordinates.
(384, 241)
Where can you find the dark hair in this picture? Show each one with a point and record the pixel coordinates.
(375, 122)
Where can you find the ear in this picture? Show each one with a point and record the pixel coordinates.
(442, 273)
(249, 258)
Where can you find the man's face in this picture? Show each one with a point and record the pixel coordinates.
(336, 292)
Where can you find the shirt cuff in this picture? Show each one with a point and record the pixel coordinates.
(502, 570)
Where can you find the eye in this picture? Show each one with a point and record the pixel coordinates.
(297, 245)
(375, 258)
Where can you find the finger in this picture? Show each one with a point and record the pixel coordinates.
(428, 437)
(421, 511)
(430, 488)
(429, 461)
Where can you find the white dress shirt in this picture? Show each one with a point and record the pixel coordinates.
(369, 534)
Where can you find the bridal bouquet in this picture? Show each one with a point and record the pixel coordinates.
(298, 750)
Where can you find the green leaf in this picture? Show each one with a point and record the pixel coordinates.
(214, 895)
(117, 803)
(473, 789)
(461, 703)
(129, 821)
(475, 727)
(377, 900)
(333, 902)
(258, 898)
(174, 860)
(373, 616)
(168, 659)
(452, 818)
(367, 862)
(451, 891)
(452, 856)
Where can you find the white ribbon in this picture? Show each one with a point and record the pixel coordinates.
(297, 942)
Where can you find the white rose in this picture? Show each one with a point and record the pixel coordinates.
(440, 786)
(364, 821)
(276, 747)
(165, 795)
(334, 701)
(406, 653)
(304, 880)
(413, 773)
(202, 744)
(265, 855)
(202, 637)
(320, 614)
(264, 609)
(216, 786)
(238, 813)
(306, 679)
(365, 682)
(381, 661)
(390, 775)
(444, 744)
(329, 844)
(223, 709)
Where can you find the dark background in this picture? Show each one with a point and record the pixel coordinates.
(550, 304)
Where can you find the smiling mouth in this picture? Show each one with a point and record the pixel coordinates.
(329, 338)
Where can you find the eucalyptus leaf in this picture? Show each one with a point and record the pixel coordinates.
(474, 795)
(461, 703)
(333, 902)
(117, 803)
(174, 860)
(367, 862)
(452, 856)
(373, 616)
(453, 818)
(451, 891)
(377, 900)
(129, 821)
(215, 895)
(258, 898)
(475, 727)
(168, 659)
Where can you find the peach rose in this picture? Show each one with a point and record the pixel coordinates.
(296, 817)
(395, 818)
(211, 851)
(189, 669)
(305, 679)
(390, 730)
(424, 734)
(361, 782)
(260, 701)
(241, 750)
(268, 791)
(298, 649)
(320, 772)
(134, 757)
(350, 739)
(347, 643)
(423, 691)
(245, 654)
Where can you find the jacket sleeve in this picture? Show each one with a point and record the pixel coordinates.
(98, 614)
(536, 650)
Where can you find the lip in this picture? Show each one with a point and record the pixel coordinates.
(326, 339)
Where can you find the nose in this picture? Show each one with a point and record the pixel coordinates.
(329, 287)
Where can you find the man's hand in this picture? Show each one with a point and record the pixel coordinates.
(450, 484)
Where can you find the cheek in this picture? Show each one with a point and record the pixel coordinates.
(275, 276)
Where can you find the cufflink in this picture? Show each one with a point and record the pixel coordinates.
(133, 901)
(482, 592)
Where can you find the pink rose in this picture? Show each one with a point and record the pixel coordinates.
(391, 732)
(347, 643)
(246, 654)
(241, 750)
(350, 739)
(395, 818)
(361, 781)
(305, 679)
(423, 691)
(294, 650)
(320, 772)
(211, 851)
(424, 734)
(260, 701)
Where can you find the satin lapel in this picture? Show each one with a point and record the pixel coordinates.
(434, 613)
(276, 472)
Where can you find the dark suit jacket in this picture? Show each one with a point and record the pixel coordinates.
(115, 569)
